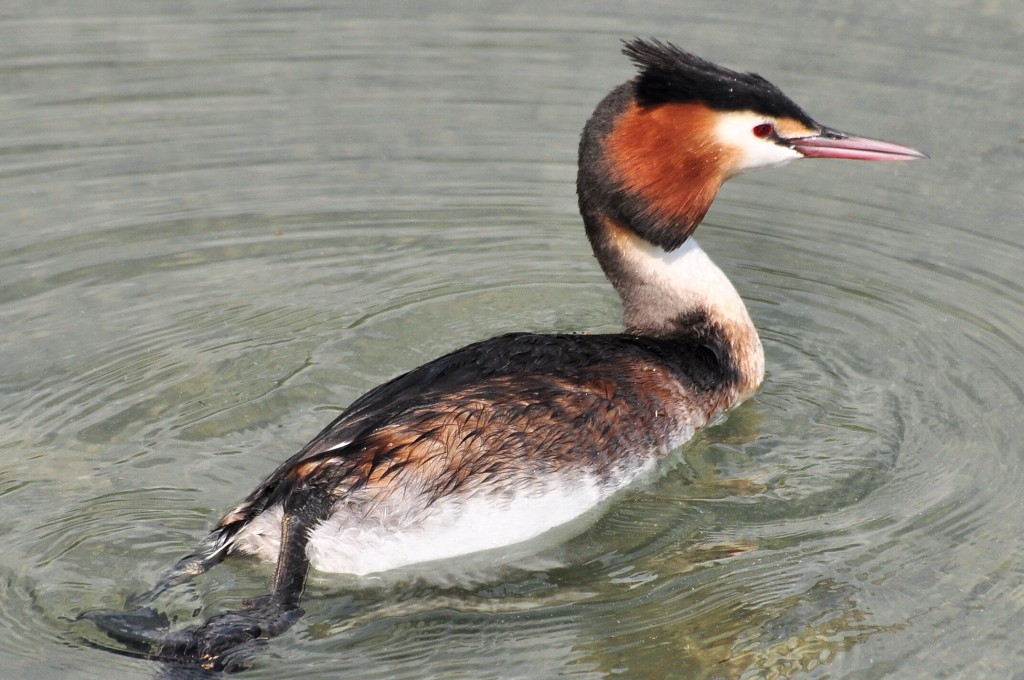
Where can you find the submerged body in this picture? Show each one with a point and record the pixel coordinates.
(505, 439)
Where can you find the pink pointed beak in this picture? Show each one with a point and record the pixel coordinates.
(834, 144)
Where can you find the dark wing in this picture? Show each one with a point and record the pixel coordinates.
(502, 355)
(448, 373)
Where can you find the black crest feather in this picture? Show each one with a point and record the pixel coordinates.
(671, 74)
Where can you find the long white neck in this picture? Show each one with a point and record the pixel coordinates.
(663, 285)
(659, 288)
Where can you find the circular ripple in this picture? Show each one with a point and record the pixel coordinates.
(222, 231)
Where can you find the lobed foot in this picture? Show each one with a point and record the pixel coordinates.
(223, 643)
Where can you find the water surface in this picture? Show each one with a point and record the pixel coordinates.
(220, 225)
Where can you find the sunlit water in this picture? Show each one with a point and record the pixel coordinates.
(221, 225)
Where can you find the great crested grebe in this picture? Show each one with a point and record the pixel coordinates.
(507, 438)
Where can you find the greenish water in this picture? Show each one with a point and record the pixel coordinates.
(221, 224)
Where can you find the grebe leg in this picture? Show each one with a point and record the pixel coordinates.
(225, 642)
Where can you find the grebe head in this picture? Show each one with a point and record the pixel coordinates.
(658, 147)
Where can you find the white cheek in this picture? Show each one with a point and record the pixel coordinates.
(735, 132)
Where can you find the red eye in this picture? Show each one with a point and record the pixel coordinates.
(763, 130)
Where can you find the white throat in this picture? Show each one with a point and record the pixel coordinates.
(666, 285)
